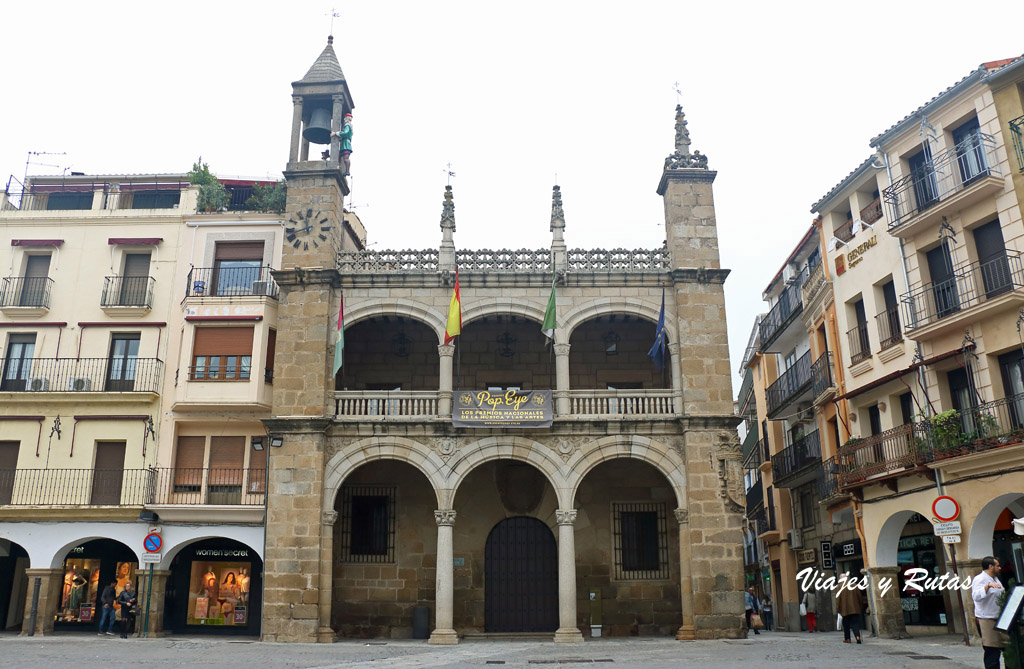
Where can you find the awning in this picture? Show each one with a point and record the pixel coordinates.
(902, 372)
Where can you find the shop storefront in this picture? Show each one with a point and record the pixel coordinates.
(215, 586)
(919, 551)
(88, 569)
(848, 557)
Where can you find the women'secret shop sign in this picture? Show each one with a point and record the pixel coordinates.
(209, 552)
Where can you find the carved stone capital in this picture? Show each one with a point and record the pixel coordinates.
(567, 517)
(446, 351)
(296, 99)
(329, 517)
(673, 348)
(562, 349)
(683, 516)
(444, 517)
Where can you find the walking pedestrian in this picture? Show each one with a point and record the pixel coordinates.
(810, 602)
(752, 607)
(850, 605)
(127, 600)
(985, 589)
(107, 612)
(766, 613)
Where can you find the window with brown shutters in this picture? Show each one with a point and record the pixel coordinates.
(221, 354)
(189, 459)
(227, 457)
(268, 374)
(239, 251)
(9, 468)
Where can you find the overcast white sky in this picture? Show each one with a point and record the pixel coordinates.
(782, 97)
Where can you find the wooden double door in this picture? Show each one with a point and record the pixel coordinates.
(521, 577)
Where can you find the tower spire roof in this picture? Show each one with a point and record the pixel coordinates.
(557, 215)
(326, 66)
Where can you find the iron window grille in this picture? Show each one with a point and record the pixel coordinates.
(640, 536)
(368, 524)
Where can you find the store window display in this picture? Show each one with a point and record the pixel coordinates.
(218, 593)
(81, 578)
(87, 569)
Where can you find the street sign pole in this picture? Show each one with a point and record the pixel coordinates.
(149, 598)
(959, 595)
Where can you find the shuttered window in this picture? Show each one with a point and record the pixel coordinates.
(8, 469)
(227, 457)
(268, 374)
(239, 251)
(222, 354)
(188, 464)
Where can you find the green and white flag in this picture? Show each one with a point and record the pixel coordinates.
(549, 325)
(339, 342)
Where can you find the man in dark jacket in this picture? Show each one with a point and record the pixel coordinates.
(127, 601)
(107, 602)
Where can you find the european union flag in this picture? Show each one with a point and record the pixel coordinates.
(657, 351)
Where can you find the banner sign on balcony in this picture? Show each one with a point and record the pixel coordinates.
(512, 408)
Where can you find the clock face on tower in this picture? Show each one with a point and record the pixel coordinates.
(305, 228)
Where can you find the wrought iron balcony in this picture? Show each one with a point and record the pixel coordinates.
(893, 451)
(132, 487)
(755, 497)
(945, 175)
(971, 284)
(788, 307)
(845, 231)
(128, 291)
(763, 521)
(82, 375)
(890, 332)
(872, 212)
(751, 450)
(1016, 131)
(794, 381)
(828, 480)
(982, 427)
(745, 400)
(26, 291)
(231, 282)
(860, 344)
(821, 374)
(80, 196)
(789, 465)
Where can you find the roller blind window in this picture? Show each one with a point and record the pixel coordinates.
(227, 456)
(222, 354)
(188, 464)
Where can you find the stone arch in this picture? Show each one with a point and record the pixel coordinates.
(979, 543)
(502, 306)
(418, 311)
(613, 305)
(58, 556)
(637, 447)
(371, 449)
(6, 536)
(888, 540)
(521, 449)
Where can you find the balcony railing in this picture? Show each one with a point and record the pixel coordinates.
(898, 449)
(385, 404)
(763, 521)
(26, 291)
(1016, 126)
(231, 282)
(81, 196)
(980, 428)
(751, 450)
(872, 212)
(755, 496)
(860, 344)
(828, 480)
(845, 231)
(788, 307)
(221, 368)
(128, 291)
(821, 374)
(889, 331)
(804, 452)
(746, 391)
(970, 285)
(793, 381)
(624, 403)
(82, 375)
(131, 487)
(946, 174)
(815, 282)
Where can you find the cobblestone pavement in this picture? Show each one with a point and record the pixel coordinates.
(776, 649)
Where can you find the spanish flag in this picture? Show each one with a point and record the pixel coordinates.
(454, 326)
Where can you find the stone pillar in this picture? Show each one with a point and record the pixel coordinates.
(968, 568)
(304, 150)
(337, 109)
(156, 602)
(444, 630)
(444, 390)
(687, 631)
(677, 377)
(568, 630)
(325, 596)
(886, 609)
(562, 407)
(293, 152)
(51, 582)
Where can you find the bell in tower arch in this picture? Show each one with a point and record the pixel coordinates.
(318, 129)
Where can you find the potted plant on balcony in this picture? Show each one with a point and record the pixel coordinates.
(213, 196)
(947, 434)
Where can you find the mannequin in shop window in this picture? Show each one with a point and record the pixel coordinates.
(229, 593)
(243, 586)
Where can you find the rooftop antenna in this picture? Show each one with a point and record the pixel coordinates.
(28, 161)
(448, 171)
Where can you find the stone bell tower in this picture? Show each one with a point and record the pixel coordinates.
(299, 530)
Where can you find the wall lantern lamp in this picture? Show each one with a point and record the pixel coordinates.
(400, 344)
(506, 344)
(611, 343)
(276, 442)
(257, 443)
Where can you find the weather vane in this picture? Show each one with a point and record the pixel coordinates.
(679, 93)
(448, 170)
(333, 15)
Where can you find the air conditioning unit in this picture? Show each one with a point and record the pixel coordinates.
(263, 288)
(796, 539)
(80, 384)
(38, 384)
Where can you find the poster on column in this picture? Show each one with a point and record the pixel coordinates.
(510, 408)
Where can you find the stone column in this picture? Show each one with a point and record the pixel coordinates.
(967, 568)
(293, 152)
(325, 595)
(886, 609)
(687, 631)
(444, 390)
(562, 407)
(156, 602)
(568, 629)
(677, 376)
(337, 108)
(51, 582)
(444, 630)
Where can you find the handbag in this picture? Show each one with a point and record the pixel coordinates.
(756, 622)
(803, 609)
(839, 621)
